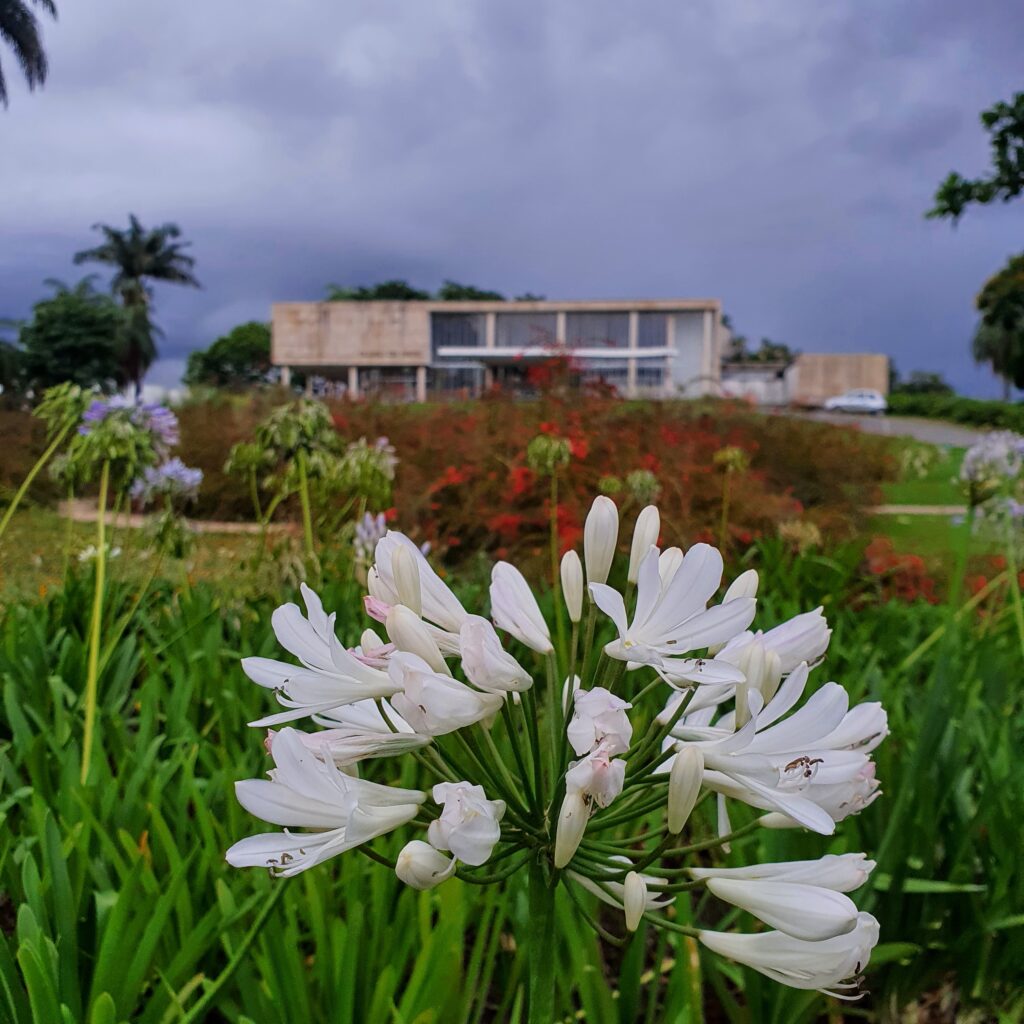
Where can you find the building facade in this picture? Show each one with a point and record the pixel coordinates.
(412, 349)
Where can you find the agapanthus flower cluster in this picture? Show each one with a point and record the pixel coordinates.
(589, 764)
(171, 480)
(993, 466)
(127, 438)
(155, 419)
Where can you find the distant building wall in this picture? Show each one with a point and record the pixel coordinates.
(814, 377)
(760, 383)
(325, 334)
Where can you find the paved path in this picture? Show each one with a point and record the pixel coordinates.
(930, 431)
(918, 510)
(81, 511)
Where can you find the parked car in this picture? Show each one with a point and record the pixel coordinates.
(862, 400)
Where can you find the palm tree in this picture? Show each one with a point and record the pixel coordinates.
(20, 28)
(1003, 349)
(140, 255)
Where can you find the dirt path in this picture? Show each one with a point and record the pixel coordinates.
(918, 510)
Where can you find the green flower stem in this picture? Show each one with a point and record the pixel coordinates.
(556, 576)
(592, 921)
(574, 646)
(647, 752)
(93, 663)
(529, 708)
(710, 844)
(541, 946)
(307, 518)
(588, 639)
(254, 493)
(33, 473)
(628, 812)
(937, 634)
(672, 926)
(494, 877)
(1018, 607)
(515, 785)
(532, 798)
(556, 721)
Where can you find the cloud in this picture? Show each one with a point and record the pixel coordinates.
(778, 155)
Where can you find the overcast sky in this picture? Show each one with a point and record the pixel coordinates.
(777, 154)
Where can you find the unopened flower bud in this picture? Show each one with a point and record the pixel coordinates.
(420, 866)
(407, 579)
(645, 536)
(634, 900)
(684, 786)
(369, 641)
(572, 585)
(600, 537)
(572, 823)
(753, 668)
(772, 675)
(408, 632)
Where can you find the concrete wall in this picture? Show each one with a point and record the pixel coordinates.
(816, 377)
(326, 334)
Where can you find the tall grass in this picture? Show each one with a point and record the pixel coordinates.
(117, 906)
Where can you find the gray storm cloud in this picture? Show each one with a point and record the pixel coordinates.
(778, 155)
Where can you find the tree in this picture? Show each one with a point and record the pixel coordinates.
(920, 382)
(452, 291)
(400, 291)
(1005, 124)
(239, 358)
(74, 335)
(738, 349)
(999, 338)
(140, 255)
(19, 27)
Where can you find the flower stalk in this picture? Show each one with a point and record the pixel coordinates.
(95, 624)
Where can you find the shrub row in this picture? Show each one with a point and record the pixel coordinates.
(972, 411)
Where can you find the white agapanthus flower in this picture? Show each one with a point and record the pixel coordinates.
(548, 760)
(673, 618)
(469, 825)
(305, 791)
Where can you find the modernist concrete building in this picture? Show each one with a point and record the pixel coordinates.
(662, 347)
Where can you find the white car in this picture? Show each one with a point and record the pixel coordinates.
(862, 400)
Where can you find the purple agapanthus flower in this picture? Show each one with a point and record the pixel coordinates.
(171, 478)
(157, 419)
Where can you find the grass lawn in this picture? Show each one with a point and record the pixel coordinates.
(38, 541)
(938, 486)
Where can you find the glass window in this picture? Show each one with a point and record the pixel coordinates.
(525, 330)
(597, 330)
(457, 330)
(652, 330)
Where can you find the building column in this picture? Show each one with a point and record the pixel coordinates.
(286, 376)
(490, 330)
(421, 383)
(633, 344)
(560, 339)
(309, 386)
(707, 360)
(353, 382)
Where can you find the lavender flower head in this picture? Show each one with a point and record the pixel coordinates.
(152, 417)
(999, 454)
(172, 479)
(370, 529)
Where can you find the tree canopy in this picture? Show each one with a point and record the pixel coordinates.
(402, 291)
(999, 338)
(1004, 123)
(237, 359)
(75, 335)
(19, 27)
(740, 350)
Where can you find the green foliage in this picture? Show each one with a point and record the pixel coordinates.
(740, 350)
(19, 27)
(402, 291)
(1004, 123)
(999, 338)
(126, 910)
(238, 359)
(399, 291)
(452, 291)
(75, 335)
(920, 382)
(973, 412)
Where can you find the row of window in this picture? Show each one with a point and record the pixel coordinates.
(527, 330)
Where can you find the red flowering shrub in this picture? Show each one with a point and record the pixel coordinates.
(901, 577)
